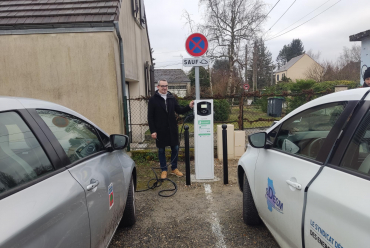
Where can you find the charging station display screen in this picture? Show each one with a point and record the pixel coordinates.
(203, 105)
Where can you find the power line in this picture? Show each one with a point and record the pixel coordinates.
(167, 61)
(304, 22)
(170, 52)
(300, 19)
(267, 14)
(162, 66)
(280, 17)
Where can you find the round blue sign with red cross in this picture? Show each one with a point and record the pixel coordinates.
(196, 45)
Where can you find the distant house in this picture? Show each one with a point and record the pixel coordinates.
(364, 37)
(178, 81)
(296, 68)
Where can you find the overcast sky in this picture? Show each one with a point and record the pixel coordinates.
(328, 33)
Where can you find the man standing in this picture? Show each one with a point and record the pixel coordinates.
(163, 125)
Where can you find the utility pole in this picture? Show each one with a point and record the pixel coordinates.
(246, 64)
(210, 79)
(255, 58)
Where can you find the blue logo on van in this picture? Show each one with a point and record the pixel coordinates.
(272, 200)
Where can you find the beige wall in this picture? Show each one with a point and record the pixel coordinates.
(298, 70)
(280, 76)
(136, 49)
(136, 52)
(77, 70)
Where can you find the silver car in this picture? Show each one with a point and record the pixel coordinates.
(63, 181)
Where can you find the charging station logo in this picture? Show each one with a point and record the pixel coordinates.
(204, 127)
(272, 200)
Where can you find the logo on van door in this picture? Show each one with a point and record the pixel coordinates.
(272, 200)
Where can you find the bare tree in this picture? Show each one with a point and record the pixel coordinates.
(346, 67)
(315, 72)
(314, 56)
(229, 24)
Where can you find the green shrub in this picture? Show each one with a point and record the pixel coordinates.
(262, 103)
(222, 110)
(184, 103)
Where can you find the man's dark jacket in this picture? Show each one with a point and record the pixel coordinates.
(164, 122)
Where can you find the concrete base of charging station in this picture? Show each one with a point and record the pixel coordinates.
(194, 180)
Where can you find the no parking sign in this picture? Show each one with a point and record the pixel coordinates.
(196, 45)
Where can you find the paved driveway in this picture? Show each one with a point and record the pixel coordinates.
(200, 215)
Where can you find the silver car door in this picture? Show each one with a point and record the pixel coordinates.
(98, 171)
(41, 204)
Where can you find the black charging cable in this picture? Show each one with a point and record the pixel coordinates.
(157, 182)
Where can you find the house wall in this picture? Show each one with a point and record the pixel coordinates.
(77, 70)
(365, 57)
(299, 69)
(279, 75)
(136, 53)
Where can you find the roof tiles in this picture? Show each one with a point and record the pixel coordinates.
(24, 12)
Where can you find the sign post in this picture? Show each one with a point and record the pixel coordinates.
(196, 45)
(246, 87)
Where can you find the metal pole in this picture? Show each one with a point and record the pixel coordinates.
(224, 157)
(187, 155)
(197, 90)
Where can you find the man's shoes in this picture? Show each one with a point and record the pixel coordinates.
(164, 175)
(177, 173)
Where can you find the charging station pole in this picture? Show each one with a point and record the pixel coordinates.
(196, 45)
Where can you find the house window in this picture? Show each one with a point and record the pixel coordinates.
(277, 78)
(138, 11)
(283, 75)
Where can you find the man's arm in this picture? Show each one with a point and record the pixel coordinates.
(182, 110)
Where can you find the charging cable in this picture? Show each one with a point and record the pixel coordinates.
(157, 182)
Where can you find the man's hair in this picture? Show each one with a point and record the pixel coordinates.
(164, 80)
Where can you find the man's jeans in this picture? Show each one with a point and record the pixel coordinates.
(162, 157)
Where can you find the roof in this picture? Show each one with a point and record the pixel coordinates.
(359, 36)
(171, 75)
(290, 63)
(18, 13)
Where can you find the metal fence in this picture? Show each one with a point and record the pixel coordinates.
(252, 112)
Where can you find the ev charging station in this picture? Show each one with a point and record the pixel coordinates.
(196, 45)
(203, 139)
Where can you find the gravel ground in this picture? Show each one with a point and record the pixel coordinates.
(200, 215)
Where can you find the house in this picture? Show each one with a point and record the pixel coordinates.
(296, 68)
(88, 55)
(364, 37)
(178, 81)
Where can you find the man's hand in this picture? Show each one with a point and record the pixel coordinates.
(154, 135)
(191, 104)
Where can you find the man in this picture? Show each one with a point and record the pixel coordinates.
(367, 78)
(163, 125)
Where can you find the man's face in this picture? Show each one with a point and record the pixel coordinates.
(367, 81)
(162, 87)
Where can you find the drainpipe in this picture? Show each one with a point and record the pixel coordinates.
(123, 76)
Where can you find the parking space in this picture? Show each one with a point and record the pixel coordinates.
(200, 215)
